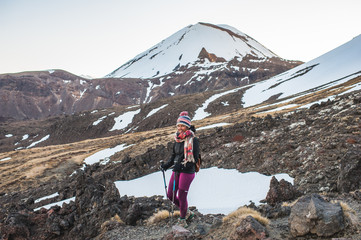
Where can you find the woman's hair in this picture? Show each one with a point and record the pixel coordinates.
(193, 128)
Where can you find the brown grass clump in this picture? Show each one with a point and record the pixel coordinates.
(237, 216)
(111, 222)
(161, 215)
(289, 204)
(349, 213)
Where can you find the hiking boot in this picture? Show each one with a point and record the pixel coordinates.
(182, 222)
(190, 214)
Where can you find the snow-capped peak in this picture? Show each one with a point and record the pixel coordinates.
(223, 42)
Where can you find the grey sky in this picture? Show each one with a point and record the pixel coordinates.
(94, 37)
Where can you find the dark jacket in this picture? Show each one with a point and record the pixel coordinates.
(178, 156)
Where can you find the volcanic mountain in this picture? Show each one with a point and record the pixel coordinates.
(217, 44)
(202, 57)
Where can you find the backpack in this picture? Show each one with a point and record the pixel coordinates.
(198, 163)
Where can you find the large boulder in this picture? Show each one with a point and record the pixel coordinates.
(280, 191)
(314, 215)
(350, 174)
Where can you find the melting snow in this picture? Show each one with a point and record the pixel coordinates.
(212, 191)
(281, 108)
(5, 159)
(99, 120)
(56, 204)
(319, 101)
(41, 140)
(46, 197)
(156, 110)
(124, 120)
(103, 154)
(133, 106)
(200, 113)
(8, 135)
(225, 103)
(82, 93)
(213, 126)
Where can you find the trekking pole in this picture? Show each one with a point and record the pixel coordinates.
(165, 184)
(175, 175)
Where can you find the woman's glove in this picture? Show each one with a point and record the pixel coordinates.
(163, 167)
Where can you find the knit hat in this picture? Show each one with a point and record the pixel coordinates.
(184, 119)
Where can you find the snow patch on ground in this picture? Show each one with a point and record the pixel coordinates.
(46, 197)
(5, 159)
(56, 204)
(212, 191)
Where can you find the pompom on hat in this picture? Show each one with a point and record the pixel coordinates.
(184, 119)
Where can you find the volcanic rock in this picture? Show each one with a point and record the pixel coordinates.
(178, 233)
(280, 191)
(312, 214)
(250, 229)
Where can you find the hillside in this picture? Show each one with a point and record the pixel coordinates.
(326, 133)
(305, 122)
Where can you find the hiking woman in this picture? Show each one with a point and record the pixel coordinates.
(184, 156)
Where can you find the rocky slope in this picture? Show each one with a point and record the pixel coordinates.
(319, 147)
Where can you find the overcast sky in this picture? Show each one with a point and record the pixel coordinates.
(94, 37)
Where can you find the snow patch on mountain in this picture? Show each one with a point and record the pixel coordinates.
(200, 113)
(105, 153)
(37, 142)
(156, 110)
(124, 120)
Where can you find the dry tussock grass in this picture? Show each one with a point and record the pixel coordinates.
(349, 213)
(289, 204)
(161, 215)
(237, 216)
(114, 220)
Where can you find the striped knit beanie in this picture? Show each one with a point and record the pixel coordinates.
(184, 119)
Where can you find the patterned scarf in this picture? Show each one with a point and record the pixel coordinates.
(187, 138)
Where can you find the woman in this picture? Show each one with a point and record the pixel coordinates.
(184, 157)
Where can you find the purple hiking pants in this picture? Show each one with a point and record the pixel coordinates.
(182, 183)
